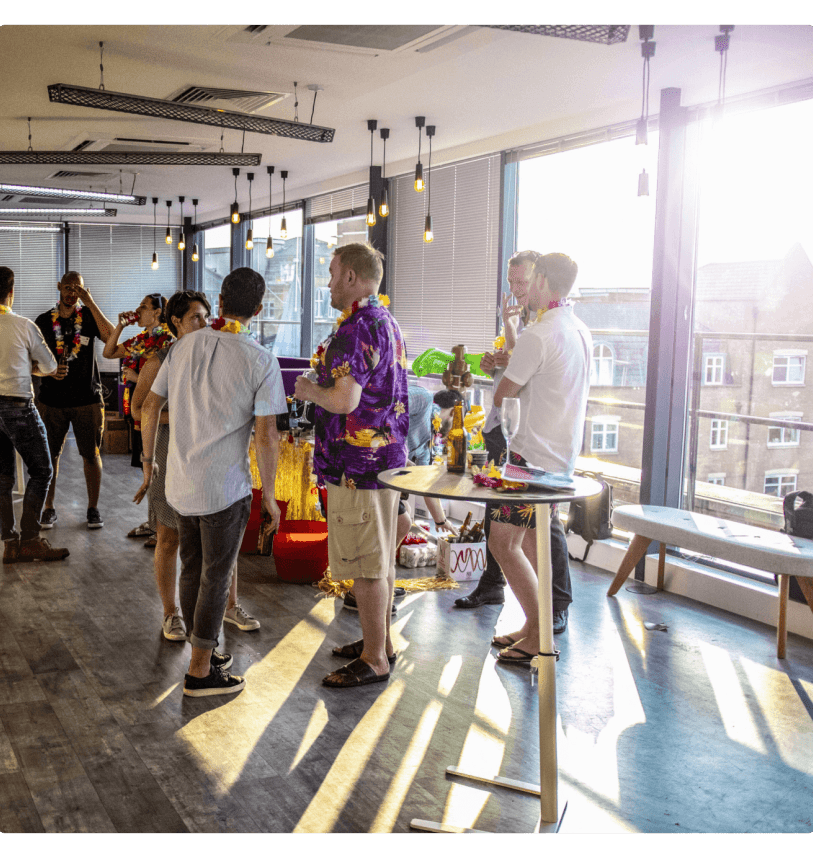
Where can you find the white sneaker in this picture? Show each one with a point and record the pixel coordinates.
(173, 628)
(238, 617)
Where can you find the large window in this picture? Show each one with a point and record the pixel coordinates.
(583, 202)
(753, 304)
(37, 259)
(279, 326)
(216, 261)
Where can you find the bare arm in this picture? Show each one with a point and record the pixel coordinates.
(145, 379)
(150, 412)
(266, 445)
(342, 398)
(505, 389)
(112, 348)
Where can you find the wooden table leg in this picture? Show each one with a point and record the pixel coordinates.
(782, 622)
(661, 564)
(635, 552)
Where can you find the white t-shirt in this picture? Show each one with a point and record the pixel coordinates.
(216, 383)
(21, 341)
(551, 361)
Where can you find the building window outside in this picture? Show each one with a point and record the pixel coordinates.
(784, 436)
(216, 261)
(779, 484)
(714, 368)
(601, 371)
(788, 368)
(719, 435)
(604, 435)
(716, 479)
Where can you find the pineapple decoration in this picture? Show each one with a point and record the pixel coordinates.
(457, 375)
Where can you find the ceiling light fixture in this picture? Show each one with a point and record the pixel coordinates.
(181, 239)
(384, 208)
(5, 227)
(154, 224)
(160, 108)
(419, 123)
(162, 159)
(62, 212)
(195, 253)
(721, 45)
(269, 244)
(372, 125)
(428, 234)
(71, 194)
(250, 233)
(283, 229)
(235, 209)
(168, 239)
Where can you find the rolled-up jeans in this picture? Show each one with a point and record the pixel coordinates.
(22, 429)
(209, 545)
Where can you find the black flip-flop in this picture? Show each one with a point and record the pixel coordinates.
(496, 640)
(525, 657)
(353, 675)
(355, 649)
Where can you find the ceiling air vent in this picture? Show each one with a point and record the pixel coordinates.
(84, 175)
(247, 101)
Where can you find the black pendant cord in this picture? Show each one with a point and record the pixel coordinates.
(315, 93)
(101, 65)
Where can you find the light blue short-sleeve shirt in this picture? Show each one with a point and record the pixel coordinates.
(216, 383)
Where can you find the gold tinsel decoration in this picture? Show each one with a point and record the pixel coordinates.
(336, 589)
(296, 483)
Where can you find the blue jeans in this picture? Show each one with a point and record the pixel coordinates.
(22, 429)
(209, 545)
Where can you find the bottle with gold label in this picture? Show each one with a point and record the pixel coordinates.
(456, 443)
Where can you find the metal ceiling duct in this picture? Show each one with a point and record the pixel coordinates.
(604, 34)
(160, 108)
(164, 159)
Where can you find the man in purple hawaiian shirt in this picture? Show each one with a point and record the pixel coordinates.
(362, 421)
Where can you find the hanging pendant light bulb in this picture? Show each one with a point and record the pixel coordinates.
(181, 239)
(428, 234)
(419, 122)
(235, 209)
(168, 239)
(195, 253)
(250, 233)
(643, 184)
(154, 227)
(283, 229)
(384, 207)
(269, 243)
(372, 124)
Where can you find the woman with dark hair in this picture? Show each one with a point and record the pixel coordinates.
(134, 353)
(186, 312)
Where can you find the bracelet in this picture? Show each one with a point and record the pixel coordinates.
(439, 523)
(147, 458)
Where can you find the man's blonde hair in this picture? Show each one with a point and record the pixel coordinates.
(364, 259)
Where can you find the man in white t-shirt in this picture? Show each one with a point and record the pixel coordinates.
(549, 372)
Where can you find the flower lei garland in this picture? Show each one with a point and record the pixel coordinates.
(4, 310)
(60, 340)
(318, 356)
(232, 326)
(499, 342)
(144, 346)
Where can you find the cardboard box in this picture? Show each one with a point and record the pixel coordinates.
(116, 434)
(461, 561)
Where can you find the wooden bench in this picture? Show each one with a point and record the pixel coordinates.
(774, 552)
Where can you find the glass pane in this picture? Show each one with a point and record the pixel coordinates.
(753, 304)
(585, 203)
(327, 237)
(283, 281)
(216, 261)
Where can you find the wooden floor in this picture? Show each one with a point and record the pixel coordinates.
(695, 729)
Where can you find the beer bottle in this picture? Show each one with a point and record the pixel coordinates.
(461, 536)
(456, 444)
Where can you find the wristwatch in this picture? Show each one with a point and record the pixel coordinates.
(147, 458)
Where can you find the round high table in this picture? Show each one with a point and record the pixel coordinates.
(435, 481)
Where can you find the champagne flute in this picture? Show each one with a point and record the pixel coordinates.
(509, 419)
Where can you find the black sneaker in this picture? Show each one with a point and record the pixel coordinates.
(559, 621)
(48, 519)
(94, 519)
(351, 603)
(223, 660)
(219, 681)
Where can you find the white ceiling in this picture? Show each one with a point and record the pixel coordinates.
(484, 89)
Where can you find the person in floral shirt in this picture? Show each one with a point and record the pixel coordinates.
(362, 420)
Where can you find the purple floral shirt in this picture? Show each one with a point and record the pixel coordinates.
(371, 439)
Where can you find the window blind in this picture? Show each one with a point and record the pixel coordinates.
(445, 293)
(37, 260)
(115, 262)
(337, 204)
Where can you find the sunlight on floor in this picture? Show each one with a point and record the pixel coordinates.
(339, 783)
(411, 762)
(735, 714)
(318, 722)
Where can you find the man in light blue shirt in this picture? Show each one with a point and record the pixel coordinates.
(220, 383)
